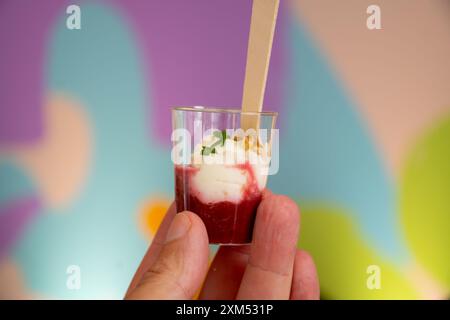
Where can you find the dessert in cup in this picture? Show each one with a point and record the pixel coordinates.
(223, 175)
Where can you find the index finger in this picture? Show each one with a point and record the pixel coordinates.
(268, 274)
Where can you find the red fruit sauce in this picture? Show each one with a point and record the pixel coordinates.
(226, 222)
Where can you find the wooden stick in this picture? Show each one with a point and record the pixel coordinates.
(262, 28)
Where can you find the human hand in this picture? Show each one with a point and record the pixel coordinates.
(272, 267)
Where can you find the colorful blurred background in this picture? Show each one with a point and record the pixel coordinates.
(85, 170)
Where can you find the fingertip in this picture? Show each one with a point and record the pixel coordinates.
(192, 216)
(197, 240)
(305, 259)
(181, 265)
(266, 193)
(305, 282)
(290, 209)
(275, 235)
(279, 211)
(196, 224)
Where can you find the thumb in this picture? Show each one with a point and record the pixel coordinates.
(181, 266)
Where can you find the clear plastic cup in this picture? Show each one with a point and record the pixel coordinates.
(220, 169)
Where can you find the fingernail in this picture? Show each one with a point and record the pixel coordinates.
(179, 227)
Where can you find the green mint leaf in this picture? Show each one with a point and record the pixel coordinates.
(222, 136)
(205, 151)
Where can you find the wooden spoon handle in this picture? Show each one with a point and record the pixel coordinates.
(262, 28)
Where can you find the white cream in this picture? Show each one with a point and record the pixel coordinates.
(219, 179)
(215, 183)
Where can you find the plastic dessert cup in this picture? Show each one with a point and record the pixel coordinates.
(220, 169)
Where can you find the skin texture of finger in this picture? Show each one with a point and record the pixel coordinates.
(305, 282)
(225, 273)
(181, 265)
(266, 193)
(268, 274)
(154, 249)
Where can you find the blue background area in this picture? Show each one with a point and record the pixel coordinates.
(326, 154)
(100, 68)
